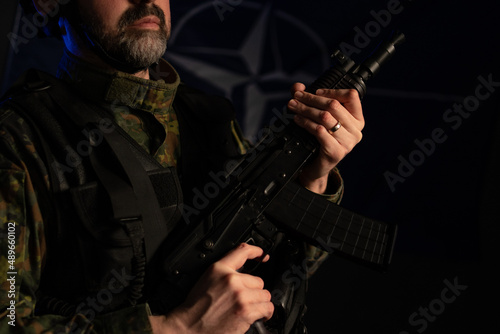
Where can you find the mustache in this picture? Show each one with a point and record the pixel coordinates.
(138, 12)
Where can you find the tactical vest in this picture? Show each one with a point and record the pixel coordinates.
(111, 205)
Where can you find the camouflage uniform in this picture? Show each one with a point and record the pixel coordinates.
(131, 101)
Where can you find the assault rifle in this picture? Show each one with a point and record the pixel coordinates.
(262, 202)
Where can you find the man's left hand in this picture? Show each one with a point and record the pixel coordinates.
(320, 115)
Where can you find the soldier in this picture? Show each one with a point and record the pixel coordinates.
(82, 259)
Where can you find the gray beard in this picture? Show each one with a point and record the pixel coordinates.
(138, 49)
(133, 47)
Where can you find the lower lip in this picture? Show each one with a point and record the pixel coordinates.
(147, 25)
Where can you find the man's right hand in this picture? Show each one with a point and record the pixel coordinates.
(223, 300)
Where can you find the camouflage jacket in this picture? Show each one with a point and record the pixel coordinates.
(23, 233)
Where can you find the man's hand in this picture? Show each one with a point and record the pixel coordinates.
(223, 300)
(320, 114)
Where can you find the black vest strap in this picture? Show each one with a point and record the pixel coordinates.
(132, 197)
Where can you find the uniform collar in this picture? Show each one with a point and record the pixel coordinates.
(116, 88)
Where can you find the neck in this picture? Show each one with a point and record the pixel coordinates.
(143, 74)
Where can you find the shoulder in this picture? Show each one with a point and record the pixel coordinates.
(25, 94)
(19, 142)
(26, 102)
(15, 126)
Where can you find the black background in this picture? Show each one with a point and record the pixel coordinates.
(446, 208)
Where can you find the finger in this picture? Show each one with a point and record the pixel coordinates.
(335, 145)
(252, 296)
(252, 282)
(320, 131)
(236, 258)
(259, 311)
(298, 86)
(325, 111)
(312, 100)
(327, 118)
(265, 310)
(347, 97)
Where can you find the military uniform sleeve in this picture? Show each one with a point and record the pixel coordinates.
(23, 246)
